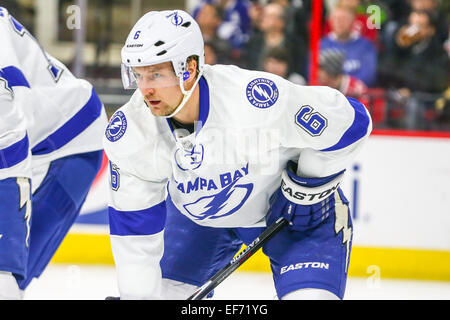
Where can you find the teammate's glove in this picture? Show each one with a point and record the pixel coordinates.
(304, 202)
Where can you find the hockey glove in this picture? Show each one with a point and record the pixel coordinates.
(304, 202)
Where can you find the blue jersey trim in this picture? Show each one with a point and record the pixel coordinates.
(14, 154)
(357, 130)
(135, 223)
(14, 77)
(204, 104)
(77, 124)
(170, 125)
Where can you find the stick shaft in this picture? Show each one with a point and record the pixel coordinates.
(237, 261)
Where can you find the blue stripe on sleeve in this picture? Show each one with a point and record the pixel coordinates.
(14, 77)
(204, 104)
(77, 124)
(357, 130)
(14, 154)
(135, 223)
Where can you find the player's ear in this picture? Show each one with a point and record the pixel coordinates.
(191, 68)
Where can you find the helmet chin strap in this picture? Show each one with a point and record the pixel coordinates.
(186, 95)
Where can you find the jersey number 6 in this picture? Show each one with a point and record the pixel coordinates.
(115, 176)
(312, 122)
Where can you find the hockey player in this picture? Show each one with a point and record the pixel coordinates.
(51, 125)
(203, 158)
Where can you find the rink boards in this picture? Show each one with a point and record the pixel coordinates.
(400, 206)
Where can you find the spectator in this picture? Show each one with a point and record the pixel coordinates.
(416, 67)
(211, 56)
(361, 26)
(236, 24)
(432, 6)
(397, 14)
(255, 13)
(418, 61)
(276, 61)
(361, 54)
(209, 19)
(273, 35)
(331, 74)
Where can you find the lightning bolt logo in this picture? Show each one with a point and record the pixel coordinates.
(262, 92)
(219, 201)
(342, 225)
(176, 19)
(116, 127)
(221, 204)
(24, 190)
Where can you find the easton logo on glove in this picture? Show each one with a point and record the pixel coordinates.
(304, 195)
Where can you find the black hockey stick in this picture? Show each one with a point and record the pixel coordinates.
(237, 261)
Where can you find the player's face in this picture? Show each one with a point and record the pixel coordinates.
(160, 88)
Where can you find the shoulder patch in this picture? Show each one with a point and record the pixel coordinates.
(116, 127)
(262, 93)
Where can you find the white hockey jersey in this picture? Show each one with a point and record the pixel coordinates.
(222, 175)
(45, 112)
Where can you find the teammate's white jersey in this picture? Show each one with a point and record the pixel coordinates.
(222, 175)
(45, 112)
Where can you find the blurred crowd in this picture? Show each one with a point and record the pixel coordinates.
(391, 54)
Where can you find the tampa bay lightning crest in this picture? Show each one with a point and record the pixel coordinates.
(175, 18)
(214, 197)
(221, 204)
(262, 93)
(116, 127)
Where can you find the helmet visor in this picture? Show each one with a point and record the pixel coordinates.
(149, 77)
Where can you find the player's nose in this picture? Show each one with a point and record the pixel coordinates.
(147, 91)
